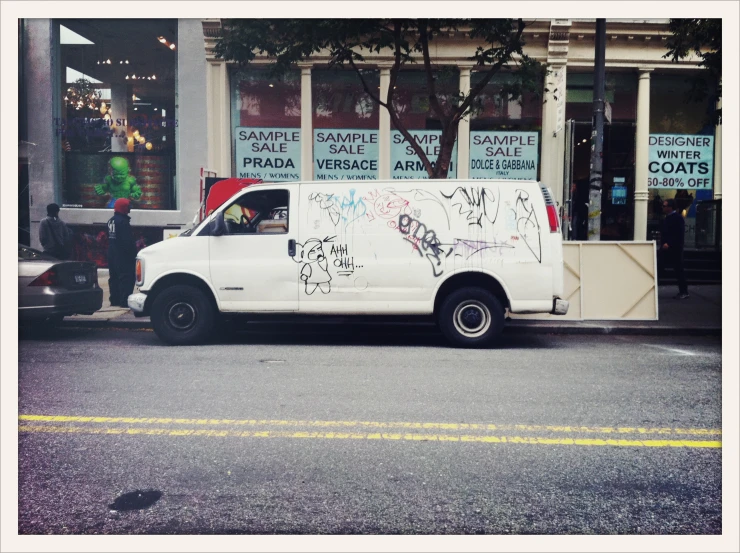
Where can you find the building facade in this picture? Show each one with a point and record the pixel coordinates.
(164, 111)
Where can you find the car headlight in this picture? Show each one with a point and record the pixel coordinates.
(139, 271)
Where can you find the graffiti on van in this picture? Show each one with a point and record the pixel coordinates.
(476, 203)
(314, 265)
(344, 209)
(527, 225)
(424, 237)
(327, 204)
(386, 204)
(463, 247)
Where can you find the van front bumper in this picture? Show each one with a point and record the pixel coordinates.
(560, 307)
(136, 303)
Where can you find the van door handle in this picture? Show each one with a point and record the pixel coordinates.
(291, 247)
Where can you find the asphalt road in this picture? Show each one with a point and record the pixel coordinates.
(344, 429)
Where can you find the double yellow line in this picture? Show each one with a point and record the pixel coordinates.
(364, 430)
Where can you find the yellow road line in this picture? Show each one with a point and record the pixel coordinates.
(365, 436)
(377, 425)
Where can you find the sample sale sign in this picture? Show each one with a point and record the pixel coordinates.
(271, 154)
(405, 164)
(681, 161)
(345, 154)
(503, 155)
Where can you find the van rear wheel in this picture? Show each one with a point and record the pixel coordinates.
(471, 317)
(182, 315)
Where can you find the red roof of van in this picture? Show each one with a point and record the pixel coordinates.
(224, 189)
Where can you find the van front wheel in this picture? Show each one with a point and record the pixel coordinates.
(182, 315)
(471, 317)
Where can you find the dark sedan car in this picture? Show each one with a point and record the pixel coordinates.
(49, 289)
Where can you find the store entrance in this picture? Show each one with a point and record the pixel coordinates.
(618, 189)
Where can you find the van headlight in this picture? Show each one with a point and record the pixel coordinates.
(139, 271)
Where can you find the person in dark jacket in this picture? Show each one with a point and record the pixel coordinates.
(672, 239)
(54, 234)
(121, 254)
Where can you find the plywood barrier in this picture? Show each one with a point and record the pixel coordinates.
(608, 281)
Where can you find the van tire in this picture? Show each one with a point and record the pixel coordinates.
(183, 315)
(471, 317)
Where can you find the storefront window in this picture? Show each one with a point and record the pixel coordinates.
(117, 116)
(618, 184)
(504, 132)
(345, 123)
(681, 152)
(411, 102)
(266, 122)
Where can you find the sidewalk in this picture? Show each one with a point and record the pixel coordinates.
(700, 314)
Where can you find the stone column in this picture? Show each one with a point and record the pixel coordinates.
(44, 144)
(718, 158)
(463, 130)
(552, 158)
(218, 109)
(306, 123)
(642, 154)
(384, 125)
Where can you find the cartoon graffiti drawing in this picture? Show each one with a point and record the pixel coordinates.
(315, 270)
(387, 204)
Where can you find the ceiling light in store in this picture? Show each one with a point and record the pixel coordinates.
(271, 85)
(142, 140)
(136, 109)
(154, 77)
(126, 62)
(127, 77)
(162, 40)
(120, 62)
(108, 61)
(172, 46)
(136, 133)
(106, 116)
(149, 146)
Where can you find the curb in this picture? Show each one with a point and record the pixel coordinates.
(515, 328)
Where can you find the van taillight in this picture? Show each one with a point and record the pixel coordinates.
(49, 278)
(552, 217)
(139, 273)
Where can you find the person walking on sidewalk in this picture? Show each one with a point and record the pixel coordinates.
(672, 239)
(121, 254)
(54, 234)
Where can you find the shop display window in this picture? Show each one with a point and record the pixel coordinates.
(117, 123)
(345, 123)
(411, 102)
(266, 124)
(672, 114)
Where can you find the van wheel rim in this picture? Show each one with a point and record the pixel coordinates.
(472, 319)
(181, 316)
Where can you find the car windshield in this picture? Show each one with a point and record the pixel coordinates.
(29, 254)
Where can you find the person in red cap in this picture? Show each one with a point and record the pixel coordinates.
(121, 254)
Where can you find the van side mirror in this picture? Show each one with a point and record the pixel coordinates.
(218, 225)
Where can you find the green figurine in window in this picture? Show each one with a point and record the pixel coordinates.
(120, 184)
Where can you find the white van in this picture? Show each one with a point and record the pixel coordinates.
(461, 250)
